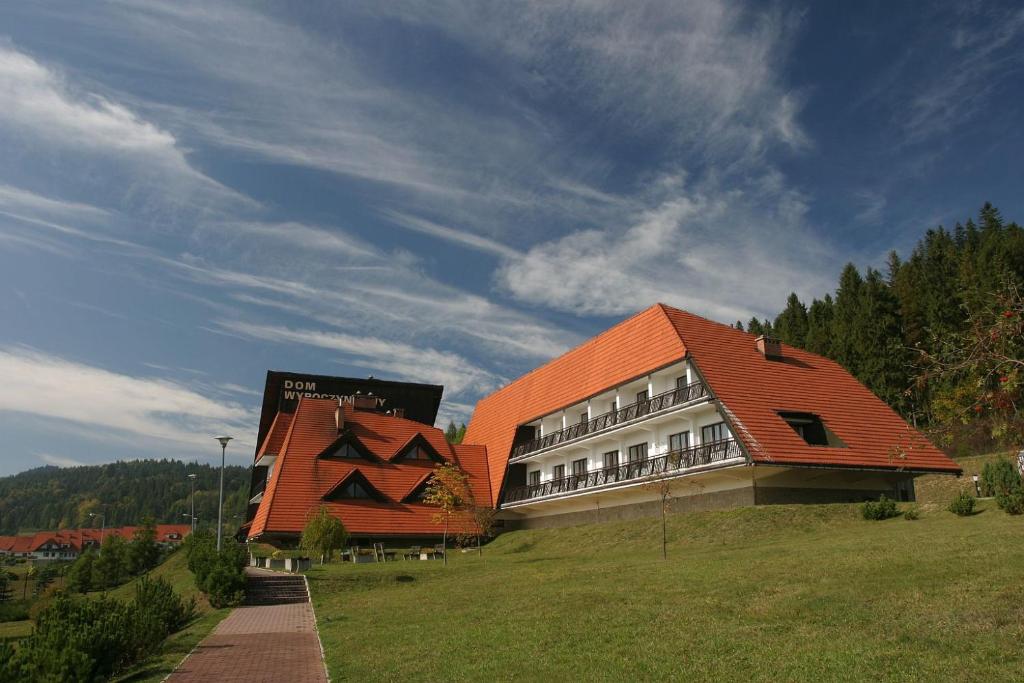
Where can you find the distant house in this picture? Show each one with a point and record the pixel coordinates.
(68, 544)
(721, 417)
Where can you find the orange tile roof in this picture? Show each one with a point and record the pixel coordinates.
(300, 479)
(751, 387)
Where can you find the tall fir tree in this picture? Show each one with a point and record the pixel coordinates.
(819, 326)
(845, 346)
(791, 324)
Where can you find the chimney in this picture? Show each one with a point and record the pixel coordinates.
(367, 402)
(769, 347)
(339, 417)
(398, 412)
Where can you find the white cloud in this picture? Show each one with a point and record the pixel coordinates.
(443, 232)
(59, 460)
(21, 200)
(114, 406)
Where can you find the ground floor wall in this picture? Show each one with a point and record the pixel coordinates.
(734, 487)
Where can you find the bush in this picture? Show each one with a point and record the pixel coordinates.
(883, 508)
(76, 639)
(999, 478)
(219, 575)
(1012, 503)
(912, 513)
(962, 505)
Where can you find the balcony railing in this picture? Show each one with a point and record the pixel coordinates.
(675, 397)
(673, 461)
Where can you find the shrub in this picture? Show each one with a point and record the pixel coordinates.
(912, 513)
(963, 504)
(883, 508)
(218, 575)
(76, 639)
(999, 477)
(1012, 503)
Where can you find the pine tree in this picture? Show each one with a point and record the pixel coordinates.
(791, 325)
(755, 327)
(845, 347)
(884, 364)
(819, 326)
(739, 325)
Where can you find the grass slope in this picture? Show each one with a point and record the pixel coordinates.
(770, 593)
(175, 570)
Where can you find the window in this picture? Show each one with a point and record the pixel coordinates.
(584, 417)
(533, 479)
(353, 489)
(558, 472)
(677, 442)
(613, 407)
(638, 452)
(417, 452)
(641, 396)
(715, 432)
(811, 429)
(345, 450)
(611, 459)
(681, 382)
(579, 466)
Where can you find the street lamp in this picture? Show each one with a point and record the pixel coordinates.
(192, 500)
(103, 526)
(220, 497)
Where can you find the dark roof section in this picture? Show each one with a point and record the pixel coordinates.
(419, 401)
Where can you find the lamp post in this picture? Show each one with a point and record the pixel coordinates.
(977, 489)
(192, 500)
(103, 526)
(220, 497)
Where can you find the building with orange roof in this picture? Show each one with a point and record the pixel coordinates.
(664, 403)
(68, 544)
(366, 462)
(667, 402)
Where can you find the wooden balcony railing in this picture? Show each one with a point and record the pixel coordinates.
(675, 397)
(673, 461)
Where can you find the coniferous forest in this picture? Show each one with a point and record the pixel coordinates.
(938, 336)
(125, 492)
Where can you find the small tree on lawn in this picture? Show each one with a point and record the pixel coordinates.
(483, 519)
(447, 490)
(663, 488)
(323, 534)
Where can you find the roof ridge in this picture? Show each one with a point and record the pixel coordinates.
(281, 457)
(583, 344)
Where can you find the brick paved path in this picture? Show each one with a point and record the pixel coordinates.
(260, 643)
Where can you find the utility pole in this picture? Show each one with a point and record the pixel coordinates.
(192, 500)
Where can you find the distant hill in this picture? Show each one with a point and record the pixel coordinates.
(62, 497)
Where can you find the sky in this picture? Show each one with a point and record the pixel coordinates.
(447, 192)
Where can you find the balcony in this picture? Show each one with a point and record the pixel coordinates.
(673, 461)
(691, 393)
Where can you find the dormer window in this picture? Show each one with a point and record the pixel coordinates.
(811, 429)
(354, 487)
(416, 453)
(346, 447)
(420, 450)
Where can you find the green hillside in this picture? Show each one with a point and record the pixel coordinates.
(769, 593)
(127, 492)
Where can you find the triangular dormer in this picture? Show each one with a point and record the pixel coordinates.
(417, 449)
(354, 486)
(347, 447)
(416, 493)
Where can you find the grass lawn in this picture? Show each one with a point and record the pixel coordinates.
(941, 489)
(770, 593)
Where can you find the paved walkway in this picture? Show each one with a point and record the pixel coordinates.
(260, 643)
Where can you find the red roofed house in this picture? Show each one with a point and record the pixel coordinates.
(726, 418)
(366, 463)
(68, 544)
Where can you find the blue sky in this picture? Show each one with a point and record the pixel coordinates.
(193, 193)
